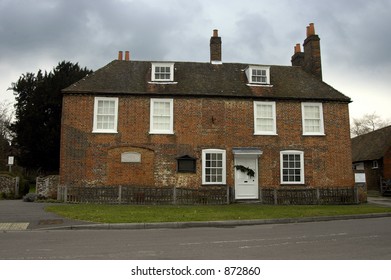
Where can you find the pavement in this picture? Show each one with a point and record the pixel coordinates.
(17, 215)
(20, 215)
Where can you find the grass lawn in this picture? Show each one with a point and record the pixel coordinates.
(147, 214)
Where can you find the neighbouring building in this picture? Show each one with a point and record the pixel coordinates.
(371, 157)
(192, 124)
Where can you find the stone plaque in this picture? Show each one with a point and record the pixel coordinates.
(130, 157)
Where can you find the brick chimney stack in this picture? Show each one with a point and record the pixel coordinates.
(310, 59)
(215, 48)
(298, 56)
(120, 54)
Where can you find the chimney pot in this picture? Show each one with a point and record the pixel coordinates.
(310, 30)
(120, 55)
(127, 55)
(297, 48)
(215, 33)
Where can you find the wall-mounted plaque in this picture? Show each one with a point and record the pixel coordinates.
(130, 157)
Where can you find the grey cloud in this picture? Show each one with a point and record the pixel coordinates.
(83, 27)
(355, 34)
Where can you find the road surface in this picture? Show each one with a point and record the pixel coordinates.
(333, 240)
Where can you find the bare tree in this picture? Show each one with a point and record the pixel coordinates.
(367, 123)
(5, 136)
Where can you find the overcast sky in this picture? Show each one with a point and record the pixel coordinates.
(355, 37)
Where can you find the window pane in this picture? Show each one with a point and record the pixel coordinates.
(105, 114)
(214, 167)
(312, 112)
(312, 118)
(312, 125)
(162, 72)
(291, 168)
(258, 76)
(161, 115)
(265, 121)
(266, 111)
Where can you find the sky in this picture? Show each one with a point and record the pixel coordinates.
(355, 38)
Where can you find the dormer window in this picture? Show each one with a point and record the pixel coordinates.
(162, 72)
(258, 75)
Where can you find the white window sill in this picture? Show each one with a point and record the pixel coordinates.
(163, 82)
(265, 134)
(105, 131)
(162, 132)
(319, 134)
(258, 85)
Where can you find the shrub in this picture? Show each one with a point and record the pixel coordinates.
(24, 187)
(32, 197)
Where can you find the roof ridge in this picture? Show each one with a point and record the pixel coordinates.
(201, 62)
(374, 131)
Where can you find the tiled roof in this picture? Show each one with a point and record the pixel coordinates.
(371, 146)
(204, 79)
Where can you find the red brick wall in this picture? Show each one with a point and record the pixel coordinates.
(199, 123)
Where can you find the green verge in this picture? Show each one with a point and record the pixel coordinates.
(170, 213)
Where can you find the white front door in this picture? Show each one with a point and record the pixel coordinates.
(246, 186)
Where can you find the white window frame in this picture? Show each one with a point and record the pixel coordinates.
(321, 122)
(223, 167)
(375, 164)
(95, 128)
(292, 152)
(256, 118)
(153, 72)
(249, 73)
(152, 129)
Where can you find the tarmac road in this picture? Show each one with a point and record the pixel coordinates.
(20, 215)
(356, 239)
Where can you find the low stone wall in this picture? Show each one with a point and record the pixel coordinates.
(9, 186)
(47, 186)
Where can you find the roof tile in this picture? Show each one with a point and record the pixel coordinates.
(205, 79)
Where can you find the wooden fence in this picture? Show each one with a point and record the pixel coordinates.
(204, 195)
(144, 195)
(309, 196)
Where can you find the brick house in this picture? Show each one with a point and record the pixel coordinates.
(192, 124)
(371, 157)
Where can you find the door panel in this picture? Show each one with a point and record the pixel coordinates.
(246, 187)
